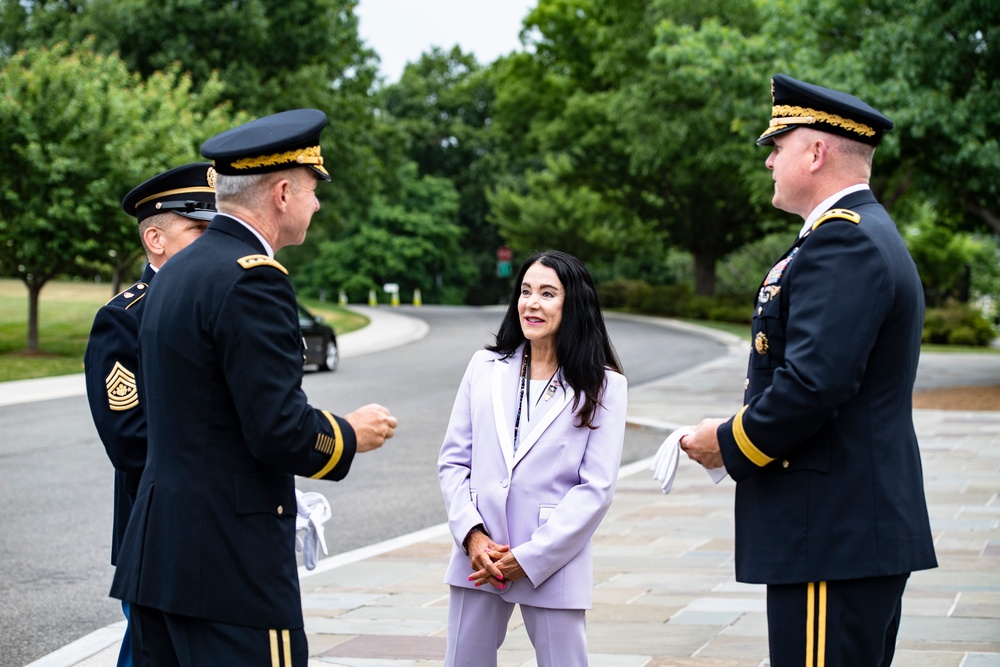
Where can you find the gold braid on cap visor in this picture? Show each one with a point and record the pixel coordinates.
(309, 155)
(784, 115)
(178, 191)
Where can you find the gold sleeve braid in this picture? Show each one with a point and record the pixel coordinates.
(749, 449)
(332, 446)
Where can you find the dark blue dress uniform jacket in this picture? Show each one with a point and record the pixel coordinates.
(212, 532)
(824, 453)
(111, 365)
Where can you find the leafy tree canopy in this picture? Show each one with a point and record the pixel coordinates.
(78, 131)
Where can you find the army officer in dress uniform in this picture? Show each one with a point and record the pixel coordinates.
(173, 209)
(830, 507)
(208, 559)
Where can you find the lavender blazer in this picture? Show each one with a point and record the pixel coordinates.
(547, 499)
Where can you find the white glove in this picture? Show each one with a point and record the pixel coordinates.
(313, 512)
(664, 465)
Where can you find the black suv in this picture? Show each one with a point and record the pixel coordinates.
(320, 341)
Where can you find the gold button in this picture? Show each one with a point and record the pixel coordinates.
(784, 464)
(281, 509)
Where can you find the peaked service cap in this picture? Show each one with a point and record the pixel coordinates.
(279, 141)
(797, 104)
(188, 190)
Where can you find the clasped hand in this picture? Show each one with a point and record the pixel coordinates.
(702, 446)
(492, 563)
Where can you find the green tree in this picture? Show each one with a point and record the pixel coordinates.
(692, 119)
(442, 107)
(934, 68)
(565, 180)
(67, 164)
(268, 55)
(644, 101)
(931, 66)
(413, 242)
(551, 214)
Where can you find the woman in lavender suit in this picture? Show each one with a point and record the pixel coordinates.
(528, 469)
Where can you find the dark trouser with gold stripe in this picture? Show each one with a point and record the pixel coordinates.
(160, 639)
(850, 623)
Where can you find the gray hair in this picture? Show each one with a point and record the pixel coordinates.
(248, 191)
(242, 191)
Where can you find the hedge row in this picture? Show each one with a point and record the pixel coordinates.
(638, 296)
(957, 324)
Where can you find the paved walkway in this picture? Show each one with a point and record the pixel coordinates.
(664, 592)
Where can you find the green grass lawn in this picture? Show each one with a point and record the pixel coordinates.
(66, 312)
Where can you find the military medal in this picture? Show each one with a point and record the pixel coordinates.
(767, 293)
(760, 343)
(774, 275)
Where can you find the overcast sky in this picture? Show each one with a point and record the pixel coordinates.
(400, 30)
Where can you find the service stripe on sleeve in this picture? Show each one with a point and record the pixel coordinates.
(338, 448)
(749, 449)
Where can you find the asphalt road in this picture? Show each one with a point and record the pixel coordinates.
(56, 482)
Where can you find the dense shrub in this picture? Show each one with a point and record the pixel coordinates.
(637, 296)
(957, 324)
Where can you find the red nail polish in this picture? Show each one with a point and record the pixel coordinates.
(500, 576)
(502, 586)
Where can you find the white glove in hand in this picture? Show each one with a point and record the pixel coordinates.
(664, 465)
(313, 512)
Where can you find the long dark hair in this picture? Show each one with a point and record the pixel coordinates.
(583, 348)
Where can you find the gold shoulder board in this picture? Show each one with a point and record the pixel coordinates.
(251, 261)
(837, 214)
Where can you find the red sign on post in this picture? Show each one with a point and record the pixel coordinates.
(504, 254)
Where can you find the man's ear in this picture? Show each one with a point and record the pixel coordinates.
(281, 192)
(819, 152)
(152, 237)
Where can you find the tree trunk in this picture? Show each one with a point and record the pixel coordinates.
(986, 215)
(34, 290)
(704, 274)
